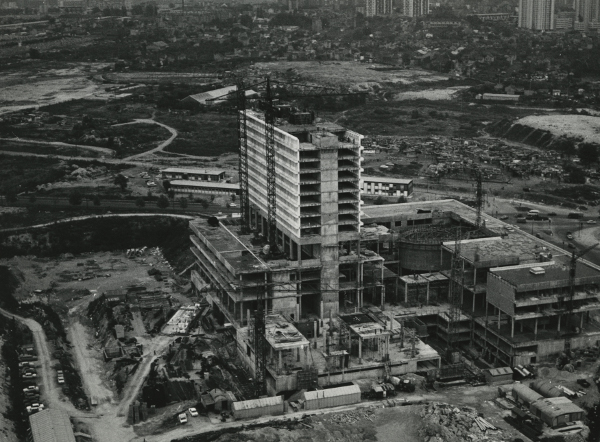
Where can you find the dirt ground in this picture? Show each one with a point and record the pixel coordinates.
(43, 274)
(573, 126)
(47, 86)
(357, 76)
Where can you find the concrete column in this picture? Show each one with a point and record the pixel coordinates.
(535, 328)
(298, 309)
(581, 323)
(359, 350)
(558, 329)
(321, 310)
(428, 283)
(512, 327)
(298, 354)
(499, 319)
(406, 292)
(242, 312)
(382, 288)
(306, 355)
(280, 365)
(473, 301)
(315, 333)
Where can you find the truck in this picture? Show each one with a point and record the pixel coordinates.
(402, 384)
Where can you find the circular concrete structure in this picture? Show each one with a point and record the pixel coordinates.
(420, 247)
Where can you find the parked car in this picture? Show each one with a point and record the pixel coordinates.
(503, 217)
(552, 214)
(193, 412)
(183, 418)
(569, 235)
(591, 221)
(31, 388)
(570, 245)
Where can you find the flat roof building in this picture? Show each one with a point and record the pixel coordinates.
(50, 426)
(206, 187)
(193, 174)
(385, 186)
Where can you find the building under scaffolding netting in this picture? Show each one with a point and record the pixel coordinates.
(419, 247)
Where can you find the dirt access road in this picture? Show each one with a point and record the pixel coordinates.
(158, 148)
(102, 150)
(49, 387)
(106, 422)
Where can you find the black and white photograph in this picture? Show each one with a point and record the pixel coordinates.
(299, 221)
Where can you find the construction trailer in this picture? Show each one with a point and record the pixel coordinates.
(498, 376)
(331, 397)
(268, 406)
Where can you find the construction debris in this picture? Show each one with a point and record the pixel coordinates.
(443, 422)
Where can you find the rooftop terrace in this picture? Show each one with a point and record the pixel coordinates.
(554, 275)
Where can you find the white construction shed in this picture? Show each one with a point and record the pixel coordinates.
(331, 397)
(273, 406)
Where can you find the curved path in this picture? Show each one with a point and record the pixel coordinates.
(161, 146)
(84, 217)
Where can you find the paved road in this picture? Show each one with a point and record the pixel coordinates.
(103, 150)
(158, 148)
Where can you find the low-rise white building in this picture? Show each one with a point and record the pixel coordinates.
(385, 186)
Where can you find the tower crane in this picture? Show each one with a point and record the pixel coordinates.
(454, 296)
(572, 272)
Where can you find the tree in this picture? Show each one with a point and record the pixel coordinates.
(204, 204)
(171, 193)
(162, 202)
(233, 197)
(32, 198)
(576, 176)
(379, 201)
(140, 202)
(121, 181)
(166, 185)
(588, 153)
(246, 20)
(183, 203)
(565, 146)
(11, 196)
(96, 200)
(34, 53)
(401, 199)
(75, 198)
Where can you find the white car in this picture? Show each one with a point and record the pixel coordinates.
(193, 412)
(61, 380)
(591, 221)
(183, 418)
(151, 184)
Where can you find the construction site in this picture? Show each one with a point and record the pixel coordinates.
(322, 290)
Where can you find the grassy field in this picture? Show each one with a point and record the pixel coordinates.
(117, 112)
(203, 134)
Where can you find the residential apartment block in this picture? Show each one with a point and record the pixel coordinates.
(416, 8)
(537, 15)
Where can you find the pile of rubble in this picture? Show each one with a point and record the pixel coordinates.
(350, 417)
(447, 423)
